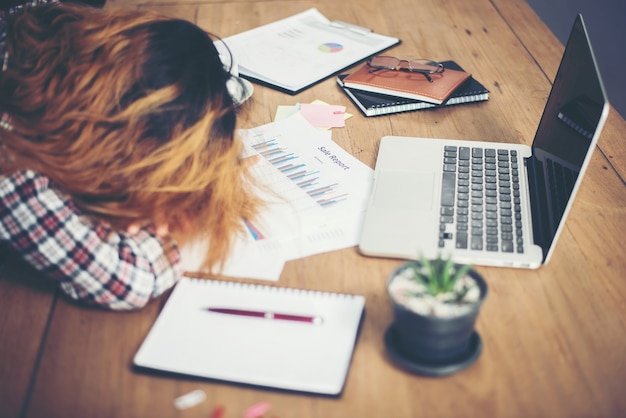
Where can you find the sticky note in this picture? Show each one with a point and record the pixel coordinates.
(324, 116)
(284, 111)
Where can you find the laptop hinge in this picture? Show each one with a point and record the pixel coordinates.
(538, 194)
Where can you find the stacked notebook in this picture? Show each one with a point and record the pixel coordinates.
(372, 99)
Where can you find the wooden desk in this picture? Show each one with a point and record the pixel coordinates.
(554, 338)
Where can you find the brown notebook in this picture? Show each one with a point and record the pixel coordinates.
(406, 84)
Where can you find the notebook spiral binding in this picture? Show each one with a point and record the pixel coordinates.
(269, 288)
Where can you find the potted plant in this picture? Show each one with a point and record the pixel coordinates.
(435, 304)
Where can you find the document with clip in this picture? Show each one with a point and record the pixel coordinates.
(294, 53)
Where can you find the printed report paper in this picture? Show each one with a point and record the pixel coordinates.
(293, 53)
(316, 194)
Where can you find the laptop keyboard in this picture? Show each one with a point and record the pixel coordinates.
(480, 200)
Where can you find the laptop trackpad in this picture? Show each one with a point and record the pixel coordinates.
(404, 190)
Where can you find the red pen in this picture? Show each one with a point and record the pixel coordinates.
(268, 315)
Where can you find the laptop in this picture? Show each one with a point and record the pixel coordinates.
(490, 203)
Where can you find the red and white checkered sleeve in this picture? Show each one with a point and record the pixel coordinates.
(91, 262)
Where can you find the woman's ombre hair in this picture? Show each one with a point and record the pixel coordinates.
(128, 113)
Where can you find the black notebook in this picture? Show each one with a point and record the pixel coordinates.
(374, 104)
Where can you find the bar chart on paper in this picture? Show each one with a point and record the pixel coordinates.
(315, 194)
(314, 191)
(300, 173)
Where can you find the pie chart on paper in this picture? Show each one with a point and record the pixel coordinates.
(330, 47)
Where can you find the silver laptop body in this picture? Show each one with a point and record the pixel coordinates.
(490, 203)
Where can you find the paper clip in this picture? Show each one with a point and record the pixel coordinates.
(349, 26)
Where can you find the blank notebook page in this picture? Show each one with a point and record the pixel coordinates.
(188, 339)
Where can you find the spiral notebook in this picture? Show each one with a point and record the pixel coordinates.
(376, 104)
(407, 84)
(252, 334)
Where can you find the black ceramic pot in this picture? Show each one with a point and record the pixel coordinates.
(432, 340)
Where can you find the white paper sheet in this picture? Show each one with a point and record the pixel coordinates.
(300, 50)
(316, 193)
(292, 355)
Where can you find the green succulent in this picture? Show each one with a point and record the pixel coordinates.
(439, 275)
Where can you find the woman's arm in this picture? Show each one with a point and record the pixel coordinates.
(91, 262)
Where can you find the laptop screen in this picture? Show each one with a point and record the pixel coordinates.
(566, 136)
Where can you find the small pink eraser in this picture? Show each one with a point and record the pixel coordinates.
(257, 410)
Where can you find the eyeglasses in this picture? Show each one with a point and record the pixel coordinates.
(422, 66)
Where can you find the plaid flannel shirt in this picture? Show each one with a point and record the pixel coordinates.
(90, 261)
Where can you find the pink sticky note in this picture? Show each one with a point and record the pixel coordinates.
(324, 116)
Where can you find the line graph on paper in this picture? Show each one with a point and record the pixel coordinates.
(308, 179)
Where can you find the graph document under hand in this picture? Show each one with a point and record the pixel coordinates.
(316, 195)
(316, 191)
